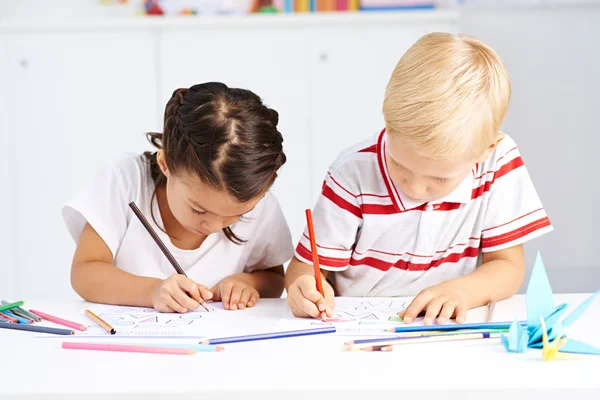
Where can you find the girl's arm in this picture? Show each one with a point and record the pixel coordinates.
(95, 279)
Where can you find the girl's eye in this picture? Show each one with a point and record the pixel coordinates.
(197, 212)
(441, 180)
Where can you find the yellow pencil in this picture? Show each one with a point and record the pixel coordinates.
(100, 322)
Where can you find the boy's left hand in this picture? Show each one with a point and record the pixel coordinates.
(441, 301)
(235, 293)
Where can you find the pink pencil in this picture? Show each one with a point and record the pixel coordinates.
(59, 321)
(127, 348)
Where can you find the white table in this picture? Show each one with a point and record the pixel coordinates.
(306, 367)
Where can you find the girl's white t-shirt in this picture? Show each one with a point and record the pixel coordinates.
(103, 202)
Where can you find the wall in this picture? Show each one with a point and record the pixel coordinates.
(553, 57)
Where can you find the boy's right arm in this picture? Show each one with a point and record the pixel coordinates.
(95, 279)
(302, 295)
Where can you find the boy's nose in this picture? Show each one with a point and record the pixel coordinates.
(415, 190)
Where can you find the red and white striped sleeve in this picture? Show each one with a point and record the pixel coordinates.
(514, 211)
(337, 218)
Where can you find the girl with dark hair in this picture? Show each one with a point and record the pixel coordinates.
(207, 192)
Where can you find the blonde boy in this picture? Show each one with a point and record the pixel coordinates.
(411, 211)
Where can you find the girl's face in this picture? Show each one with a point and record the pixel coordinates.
(200, 208)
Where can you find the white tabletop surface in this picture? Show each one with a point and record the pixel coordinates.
(306, 367)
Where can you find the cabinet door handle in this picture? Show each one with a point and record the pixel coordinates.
(24, 63)
(323, 57)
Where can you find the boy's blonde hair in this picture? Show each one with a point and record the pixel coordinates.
(447, 96)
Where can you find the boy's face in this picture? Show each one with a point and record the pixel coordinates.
(420, 178)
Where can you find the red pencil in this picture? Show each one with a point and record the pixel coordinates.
(315, 255)
(8, 318)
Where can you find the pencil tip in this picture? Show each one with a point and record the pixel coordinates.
(219, 348)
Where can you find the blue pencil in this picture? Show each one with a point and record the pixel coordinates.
(454, 327)
(272, 335)
(486, 334)
(21, 320)
(35, 328)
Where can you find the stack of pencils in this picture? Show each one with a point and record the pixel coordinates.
(13, 316)
(387, 344)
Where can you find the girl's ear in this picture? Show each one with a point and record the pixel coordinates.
(162, 162)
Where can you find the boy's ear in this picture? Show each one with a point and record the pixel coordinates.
(484, 156)
(162, 162)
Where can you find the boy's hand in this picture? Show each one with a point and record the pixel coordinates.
(170, 295)
(305, 300)
(235, 292)
(441, 301)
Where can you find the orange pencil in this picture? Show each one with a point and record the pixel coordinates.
(315, 255)
(100, 322)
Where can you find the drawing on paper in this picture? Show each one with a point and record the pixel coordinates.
(147, 318)
(368, 309)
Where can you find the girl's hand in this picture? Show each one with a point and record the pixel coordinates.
(170, 295)
(305, 301)
(235, 292)
(441, 302)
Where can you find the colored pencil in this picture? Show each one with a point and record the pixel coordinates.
(17, 311)
(315, 254)
(60, 321)
(126, 348)
(10, 306)
(427, 333)
(100, 322)
(35, 328)
(272, 335)
(454, 327)
(9, 319)
(19, 319)
(24, 311)
(378, 348)
(413, 336)
(138, 213)
(196, 347)
(490, 313)
(416, 340)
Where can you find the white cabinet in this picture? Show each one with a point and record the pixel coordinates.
(76, 100)
(252, 59)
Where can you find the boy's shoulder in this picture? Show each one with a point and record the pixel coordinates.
(359, 155)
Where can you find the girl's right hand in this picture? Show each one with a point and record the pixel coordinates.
(170, 294)
(305, 300)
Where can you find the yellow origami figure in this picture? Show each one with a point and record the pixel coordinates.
(550, 351)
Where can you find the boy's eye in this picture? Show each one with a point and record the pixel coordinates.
(197, 212)
(442, 180)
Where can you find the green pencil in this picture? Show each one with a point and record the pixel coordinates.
(10, 306)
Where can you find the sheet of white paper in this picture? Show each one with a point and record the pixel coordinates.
(139, 322)
(366, 316)
(355, 316)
